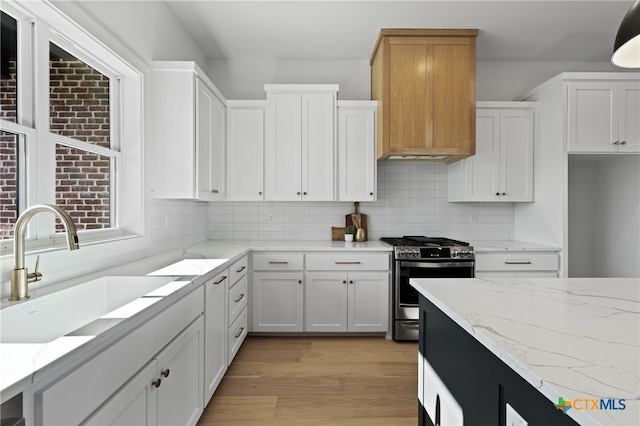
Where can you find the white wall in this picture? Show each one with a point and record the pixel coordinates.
(582, 219)
(495, 80)
(412, 200)
(618, 217)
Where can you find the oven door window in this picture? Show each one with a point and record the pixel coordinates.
(408, 296)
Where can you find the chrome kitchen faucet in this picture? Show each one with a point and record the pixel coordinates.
(20, 277)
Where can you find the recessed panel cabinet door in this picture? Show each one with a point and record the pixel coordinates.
(215, 329)
(593, 114)
(210, 125)
(516, 155)
(629, 118)
(368, 301)
(134, 404)
(245, 152)
(278, 303)
(283, 149)
(326, 301)
(180, 367)
(318, 128)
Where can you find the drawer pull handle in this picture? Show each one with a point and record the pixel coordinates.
(241, 269)
(517, 262)
(278, 262)
(348, 262)
(220, 280)
(165, 372)
(240, 297)
(156, 383)
(239, 333)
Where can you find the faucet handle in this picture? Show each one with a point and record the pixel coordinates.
(35, 275)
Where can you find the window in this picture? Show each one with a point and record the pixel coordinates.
(67, 151)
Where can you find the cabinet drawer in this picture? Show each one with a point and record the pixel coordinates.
(237, 298)
(348, 262)
(517, 261)
(237, 334)
(278, 262)
(238, 270)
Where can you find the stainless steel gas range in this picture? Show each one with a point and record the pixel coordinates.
(423, 257)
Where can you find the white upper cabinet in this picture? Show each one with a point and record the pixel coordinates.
(502, 168)
(356, 164)
(603, 116)
(245, 150)
(300, 142)
(189, 123)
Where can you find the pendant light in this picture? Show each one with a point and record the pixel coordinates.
(626, 50)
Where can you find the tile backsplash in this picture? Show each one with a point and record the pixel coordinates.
(412, 199)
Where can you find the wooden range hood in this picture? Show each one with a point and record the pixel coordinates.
(425, 83)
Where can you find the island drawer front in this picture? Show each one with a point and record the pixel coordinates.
(278, 262)
(237, 333)
(237, 298)
(529, 261)
(348, 262)
(238, 270)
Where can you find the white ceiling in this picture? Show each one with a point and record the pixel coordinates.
(510, 30)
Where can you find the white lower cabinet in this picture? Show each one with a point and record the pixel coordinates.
(339, 301)
(278, 301)
(215, 350)
(520, 264)
(166, 392)
(320, 292)
(115, 383)
(237, 300)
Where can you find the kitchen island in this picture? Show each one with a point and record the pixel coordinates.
(490, 347)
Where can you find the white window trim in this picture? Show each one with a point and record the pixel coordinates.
(52, 25)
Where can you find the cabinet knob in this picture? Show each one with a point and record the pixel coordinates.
(350, 281)
(156, 383)
(165, 372)
(616, 143)
(299, 281)
(344, 281)
(371, 193)
(623, 142)
(298, 193)
(504, 193)
(259, 192)
(497, 193)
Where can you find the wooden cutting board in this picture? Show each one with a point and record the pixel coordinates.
(363, 220)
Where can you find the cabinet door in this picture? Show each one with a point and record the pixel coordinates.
(318, 142)
(516, 155)
(454, 95)
(368, 301)
(593, 111)
(628, 121)
(134, 404)
(245, 153)
(326, 301)
(215, 340)
(278, 301)
(409, 112)
(482, 172)
(210, 122)
(282, 148)
(356, 154)
(180, 364)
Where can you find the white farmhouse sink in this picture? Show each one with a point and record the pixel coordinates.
(84, 309)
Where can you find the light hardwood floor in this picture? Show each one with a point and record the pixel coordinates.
(318, 381)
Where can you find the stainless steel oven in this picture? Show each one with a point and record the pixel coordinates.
(423, 257)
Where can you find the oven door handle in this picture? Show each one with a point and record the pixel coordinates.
(437, 264)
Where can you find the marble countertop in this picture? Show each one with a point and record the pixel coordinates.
(576, 338)
(510, 245)
(24, 363)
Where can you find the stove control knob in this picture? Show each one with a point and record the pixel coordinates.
(456, 253)
(415, 252)
(401, 252)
